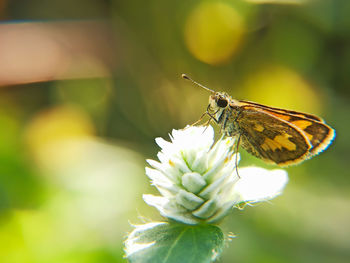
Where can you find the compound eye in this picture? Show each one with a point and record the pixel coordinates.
(222, 103)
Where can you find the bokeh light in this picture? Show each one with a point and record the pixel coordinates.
(286, 2)
(282, 87)
(213, 32)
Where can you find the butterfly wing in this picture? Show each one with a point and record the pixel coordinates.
(270, 138)
(319, 134)
(282, 111)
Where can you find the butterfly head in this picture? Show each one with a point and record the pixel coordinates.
(218, 101)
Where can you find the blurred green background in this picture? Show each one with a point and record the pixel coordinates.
(86, 86)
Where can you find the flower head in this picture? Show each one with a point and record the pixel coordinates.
(198, 181)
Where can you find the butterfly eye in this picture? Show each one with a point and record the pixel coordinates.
(222, 103)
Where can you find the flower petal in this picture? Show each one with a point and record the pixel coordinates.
(207, 210)
(170, 210)
(193, 182)
(188, 200)
(258, 184)
(164, 145)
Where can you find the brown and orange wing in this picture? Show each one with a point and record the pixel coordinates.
(317, 132)
(272, 139)
(282, 111)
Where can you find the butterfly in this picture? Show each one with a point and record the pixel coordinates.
(277, 136)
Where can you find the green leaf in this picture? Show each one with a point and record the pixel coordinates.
(162, 242)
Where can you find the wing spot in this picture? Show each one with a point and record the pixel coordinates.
(279, 142)
(270, 144)
(259, 127)
(302, 124)
(309, 136)
(285, 142)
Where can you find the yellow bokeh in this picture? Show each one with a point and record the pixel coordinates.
(48, 132)
(213, 32)
(282, 87)
(286, 2)
(58, 123)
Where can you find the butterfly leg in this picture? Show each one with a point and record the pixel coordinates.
(212, 116)
(203, 115)
(236, 152)
(210, 119)
(200, 119)
(223, 126)
(207, 125)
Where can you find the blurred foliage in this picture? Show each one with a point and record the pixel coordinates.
(73, 142)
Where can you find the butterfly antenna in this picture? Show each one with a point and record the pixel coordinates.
(196, 83)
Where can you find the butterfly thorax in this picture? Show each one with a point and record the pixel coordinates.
(226, 111)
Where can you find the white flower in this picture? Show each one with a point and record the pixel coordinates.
(198, 180)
